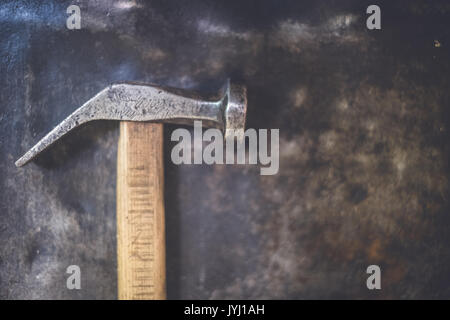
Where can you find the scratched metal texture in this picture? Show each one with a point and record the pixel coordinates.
(364, 147)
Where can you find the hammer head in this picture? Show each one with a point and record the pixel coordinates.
(148, 102)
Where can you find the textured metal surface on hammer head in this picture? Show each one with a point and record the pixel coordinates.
(235, 112)
(145, 102)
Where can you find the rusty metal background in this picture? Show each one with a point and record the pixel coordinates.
(364, 133)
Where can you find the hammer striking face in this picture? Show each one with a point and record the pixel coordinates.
(146, 102)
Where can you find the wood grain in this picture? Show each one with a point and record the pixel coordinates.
(140, 212)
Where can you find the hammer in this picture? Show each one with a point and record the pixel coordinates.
(140, 108)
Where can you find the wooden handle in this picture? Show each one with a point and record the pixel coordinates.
(141, 254)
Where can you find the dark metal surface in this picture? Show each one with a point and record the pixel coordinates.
(364, 131)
